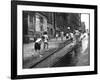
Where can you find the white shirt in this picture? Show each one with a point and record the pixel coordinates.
(56, 35)
(45, 38)
(84, 36)
(38, 40)
(71, 34)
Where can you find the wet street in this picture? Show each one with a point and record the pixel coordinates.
(66, 55)
(30, 57)
(82, 59)
(62, 33)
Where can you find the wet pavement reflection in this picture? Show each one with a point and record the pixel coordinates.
(79, 56)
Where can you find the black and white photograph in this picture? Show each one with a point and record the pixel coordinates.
(50, 39)
(54, 39)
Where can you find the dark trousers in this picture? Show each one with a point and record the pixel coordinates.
(45, 45)
(37, 46)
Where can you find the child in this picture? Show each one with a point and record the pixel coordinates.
(37, 46)
(45, 41)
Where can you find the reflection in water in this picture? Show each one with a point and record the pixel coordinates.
(79, 56)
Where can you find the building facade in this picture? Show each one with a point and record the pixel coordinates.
(35, 23)
(65, 20)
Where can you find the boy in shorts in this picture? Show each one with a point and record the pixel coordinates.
(37, 46)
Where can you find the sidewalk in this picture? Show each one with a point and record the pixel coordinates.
(28, 49)
(29, 60)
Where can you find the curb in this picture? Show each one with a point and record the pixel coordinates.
(51, 53)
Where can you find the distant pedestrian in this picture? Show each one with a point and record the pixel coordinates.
(57, 36)
(77, 36)
(71, 36)
(67, 36)
(62, 35)
(77, 42)
(37, 46)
